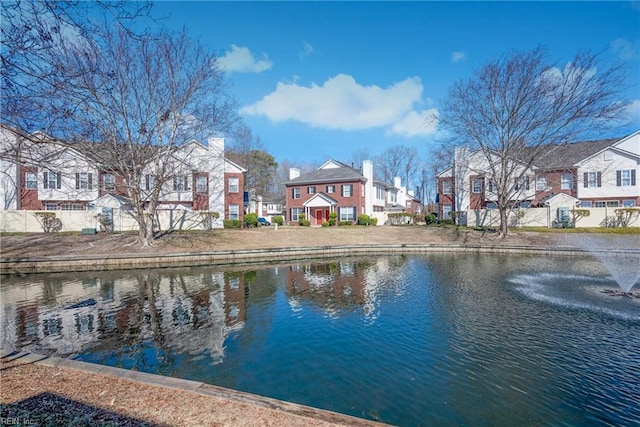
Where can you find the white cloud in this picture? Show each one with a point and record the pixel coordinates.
(633, 111)
(625, 49)
(306, 51)
(342, 103)
(240, 59)
(416, 123)
(458, 56)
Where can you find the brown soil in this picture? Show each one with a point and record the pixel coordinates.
(39, 245)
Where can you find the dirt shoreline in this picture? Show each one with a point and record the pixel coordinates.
(46, 245)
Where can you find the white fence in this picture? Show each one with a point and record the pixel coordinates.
(178, 219)
(548, 217)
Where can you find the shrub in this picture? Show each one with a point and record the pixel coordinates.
(325, 224)
(373, 221)
(106, 222)
(277, 220)
(49, 222)
(303, 221)
(364, 219)
(251, 220)
(209, 218)
(344, 223)
(333, 218)
(448, 221)
(430, 218)
(232, 223)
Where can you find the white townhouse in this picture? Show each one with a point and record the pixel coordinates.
(596, 174)
(48, 176)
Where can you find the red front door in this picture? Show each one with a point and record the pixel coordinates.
(319, 219)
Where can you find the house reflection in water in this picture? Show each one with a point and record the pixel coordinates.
(342, 286)
(186, 313)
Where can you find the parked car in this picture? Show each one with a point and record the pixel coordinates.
(263, 221)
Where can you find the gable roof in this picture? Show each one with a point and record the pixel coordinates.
(328, 200)
(558, 156)
(337, 172)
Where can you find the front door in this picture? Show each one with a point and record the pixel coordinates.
(319, 218)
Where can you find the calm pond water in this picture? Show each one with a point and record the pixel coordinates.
(408, 340)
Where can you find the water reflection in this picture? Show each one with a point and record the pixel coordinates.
(410, 340)
(176, 310)
(179, 310)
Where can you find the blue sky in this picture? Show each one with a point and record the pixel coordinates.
(325, 80)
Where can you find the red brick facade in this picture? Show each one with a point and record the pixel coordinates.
(232, 197)
(308, 190)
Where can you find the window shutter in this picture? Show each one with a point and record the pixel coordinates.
(633, 177)
(90, 177)
(599, 179)
(45, 178)
(58, 181)
(586, 180)
(77, 181)
(342, 190)
(618, 178)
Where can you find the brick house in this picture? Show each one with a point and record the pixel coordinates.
(597, 173)
(345, 190)
(43, 176)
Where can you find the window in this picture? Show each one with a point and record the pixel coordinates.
(566, 181)
(181, 183)
(295, 192)
(492, 187)
(50, 207)
(446, 211)
(311, 190)
(379, 193)
(626, 178)
(234, 211)
(446, 187)
(109, 181)
(71, 207)
(628, 203)
(331, 188)
(608, 155)
(408, 205)
(522, 183)
(201, 184)
(149, 182)
(295, 213)
(31, 180)
(541, 183)
(84, 181)
(347, 190)
(347, 213)
(585, 204)
(492, 206)
(393, 196)
(52, 180)
(608, 204)
(233, 185)
(476, 185)
(592, 179)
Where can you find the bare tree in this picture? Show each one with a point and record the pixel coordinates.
(33, 30)
(515, 107)
(248, 151)
(397, 161)
(142, 100)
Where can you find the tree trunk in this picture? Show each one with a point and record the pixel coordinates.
(503, 231)
(145, 233)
